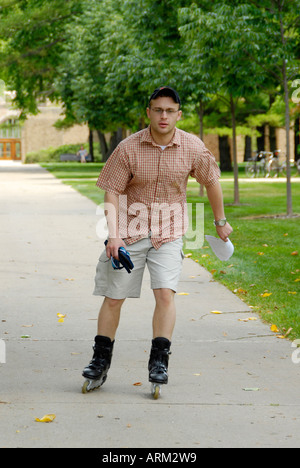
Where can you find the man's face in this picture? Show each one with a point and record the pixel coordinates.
(163, 113)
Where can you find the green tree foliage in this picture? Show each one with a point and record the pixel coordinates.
(32, 33)
(247, 45)
(103, 58)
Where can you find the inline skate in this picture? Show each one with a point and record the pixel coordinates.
(96, 371)
(158, 365)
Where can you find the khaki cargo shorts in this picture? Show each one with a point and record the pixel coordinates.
(164, 265)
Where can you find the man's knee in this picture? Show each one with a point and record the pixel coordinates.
(164, 296)
(114, 304)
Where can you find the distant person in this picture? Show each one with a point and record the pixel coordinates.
(83, 154)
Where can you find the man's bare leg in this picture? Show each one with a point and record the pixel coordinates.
(109, 317)
(163, 326)
(164, 317)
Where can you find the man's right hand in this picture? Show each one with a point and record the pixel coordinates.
(112, 247)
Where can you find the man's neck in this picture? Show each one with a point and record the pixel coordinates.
(162, 140)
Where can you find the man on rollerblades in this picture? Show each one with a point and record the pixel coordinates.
(145, 182)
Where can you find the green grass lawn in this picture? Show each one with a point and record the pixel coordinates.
(263, 272)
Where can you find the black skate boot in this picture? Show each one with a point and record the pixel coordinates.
(96, 371)
(158, 364)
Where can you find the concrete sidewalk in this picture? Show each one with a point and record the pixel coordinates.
(49, 251)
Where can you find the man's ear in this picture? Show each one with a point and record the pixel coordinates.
(179, 116)
(148, 112)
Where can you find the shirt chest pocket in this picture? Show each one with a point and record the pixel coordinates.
(174, 175)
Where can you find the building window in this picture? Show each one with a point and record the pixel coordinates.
(10, 129)
(18, 150)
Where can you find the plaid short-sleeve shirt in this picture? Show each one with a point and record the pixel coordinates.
(151, 184)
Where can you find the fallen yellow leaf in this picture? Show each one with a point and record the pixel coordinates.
(266, 294)
(240, 291)
(292, 292)
(61, 320)
(274, 329)
(61, 315)
(260, 253)
(46, 419)
(183, 294)
(249, 319)
(216, 312)
(297, 280)
(295, 253)
(137, 384)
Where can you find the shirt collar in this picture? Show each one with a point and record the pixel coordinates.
(147, 137)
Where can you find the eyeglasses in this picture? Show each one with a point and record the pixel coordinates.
(159, 111)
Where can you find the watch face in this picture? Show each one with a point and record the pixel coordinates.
(221, 223)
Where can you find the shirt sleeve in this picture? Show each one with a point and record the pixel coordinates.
(205, 169)
(116, 173)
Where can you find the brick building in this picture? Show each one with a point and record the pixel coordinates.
(36, 133)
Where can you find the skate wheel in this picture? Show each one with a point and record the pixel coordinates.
(156, 391)
(85, 387)
(91, 385)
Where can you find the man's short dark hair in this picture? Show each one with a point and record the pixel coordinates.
(165, 91)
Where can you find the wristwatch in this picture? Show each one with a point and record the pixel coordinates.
(220, 223)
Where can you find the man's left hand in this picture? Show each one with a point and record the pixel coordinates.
(224, 231)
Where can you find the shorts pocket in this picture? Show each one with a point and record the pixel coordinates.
(103, 257)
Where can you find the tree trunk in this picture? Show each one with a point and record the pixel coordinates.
(115, 139)
(91, 145)
(272, 137)
(225, 156)
(234, 150)
(103, 144)
(297, 139)
(248, 148)
(289, 201)
(287, 128)
(261, 139)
